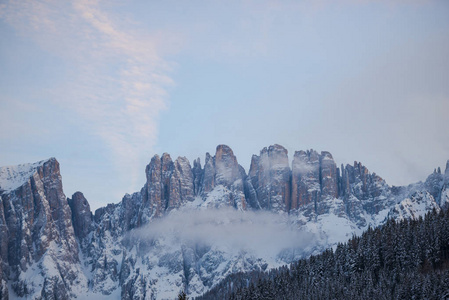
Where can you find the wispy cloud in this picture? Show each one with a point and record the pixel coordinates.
(116, 80)
(263, 233)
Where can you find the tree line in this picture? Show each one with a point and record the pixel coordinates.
(406, 259)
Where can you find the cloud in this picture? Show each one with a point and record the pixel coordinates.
(116, 82)
(303, 168)
(263, 233)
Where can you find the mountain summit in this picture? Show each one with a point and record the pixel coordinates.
(189, 226)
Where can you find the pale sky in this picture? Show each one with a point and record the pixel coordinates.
(104, 85)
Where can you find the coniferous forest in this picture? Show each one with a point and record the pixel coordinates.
(400, 260)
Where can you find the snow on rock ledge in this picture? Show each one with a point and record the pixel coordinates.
(12, 177)
(38, 249)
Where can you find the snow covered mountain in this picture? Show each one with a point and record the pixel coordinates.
(189, 226)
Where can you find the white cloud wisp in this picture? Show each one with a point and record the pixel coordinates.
(115, 80)
(262, 233)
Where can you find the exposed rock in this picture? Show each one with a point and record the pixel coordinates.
(3, 247)
(197, 176)
(169, 185)
(54, 289)
(444, 196)
(181, 184)
(371, 189)
(4, 293)
(251, 195)
(446, 173)
(434, 184)
(226, 166)
(37, 227)
(130, 206)
(270, 177)
(208, 180)
(415, 206)
(306, 188)
(82, 217)
(225, 178)
(344, 185)
(328, 176)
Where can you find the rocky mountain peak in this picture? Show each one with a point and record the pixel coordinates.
(36, 226)
(306, 189)
(41, 230)
(169, 185)
(82, 217)
(12, 177)
(208, 178)
(326, 155)
(444, 194)
(270, 178)
(328, 176)
(222, 180)
(197, 175)
(226, 166)
(446, 173)
(277, 149)
(434, 183)
(223, 150)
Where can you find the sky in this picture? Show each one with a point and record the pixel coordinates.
(103, 86)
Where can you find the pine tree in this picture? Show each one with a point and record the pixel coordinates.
(182, 296)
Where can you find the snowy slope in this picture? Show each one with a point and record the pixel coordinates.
(12, 177)
(188, 228)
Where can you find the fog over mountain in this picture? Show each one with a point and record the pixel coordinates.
(190, 226)
(263, 233)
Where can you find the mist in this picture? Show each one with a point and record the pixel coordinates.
(263, 233)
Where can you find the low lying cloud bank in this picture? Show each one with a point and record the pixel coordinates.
(262, 233)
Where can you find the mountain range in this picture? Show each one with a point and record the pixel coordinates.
(190, 226)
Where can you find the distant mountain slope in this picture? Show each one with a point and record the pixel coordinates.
(189, 226)
(408, 259)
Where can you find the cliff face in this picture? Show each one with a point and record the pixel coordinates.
(306, 187)
(36, 223)
(52, 247)
(169, 185)
(222, 183)
(82, 218)
(270, 177)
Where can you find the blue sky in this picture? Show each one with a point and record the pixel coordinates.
(104, 85)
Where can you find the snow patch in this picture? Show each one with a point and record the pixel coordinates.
(13, 177)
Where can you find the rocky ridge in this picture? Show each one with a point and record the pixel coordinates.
(55, 248)
(39, 251)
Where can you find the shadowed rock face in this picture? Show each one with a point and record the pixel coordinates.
(270, 177)
(226, 166)
(306, 189)
(443, 198)
(4, 293)
(222, 171)
(169, 185)
(40, 228)
(36, 223)
(433, 183)
(82, 217)
(197, 176)
(315, 177)
(208, 178)
(369, 188)
(328, 176)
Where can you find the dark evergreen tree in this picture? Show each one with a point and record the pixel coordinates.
(400, 260)
(182, 296)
